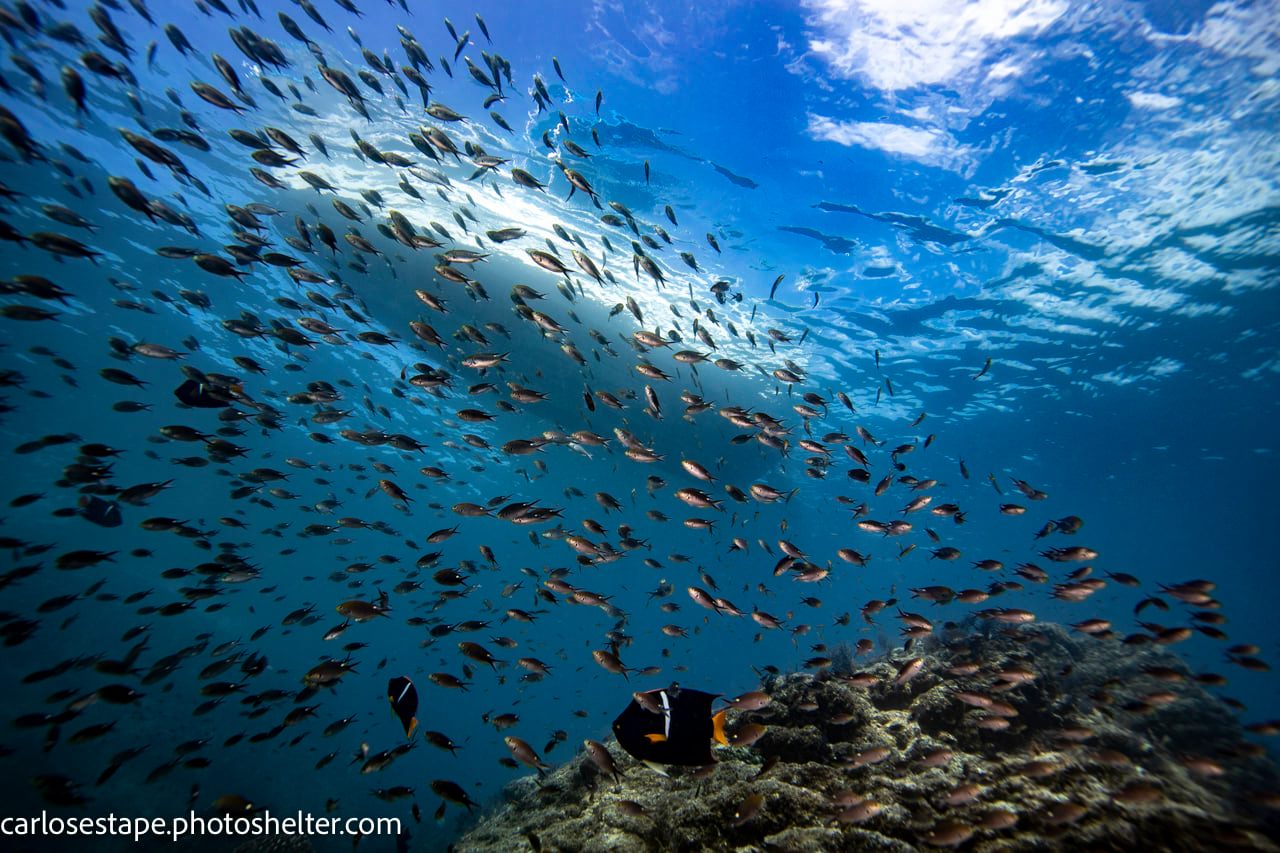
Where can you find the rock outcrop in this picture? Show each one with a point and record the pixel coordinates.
(1028, 738)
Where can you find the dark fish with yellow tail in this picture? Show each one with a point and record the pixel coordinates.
(521, 751)
(680, 733)
(777, 281)
(602, 758)
(749, 808)
(610, 662)
(394, 491)
(403, 697)
(452, 792)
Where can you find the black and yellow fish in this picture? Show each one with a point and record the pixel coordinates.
(403, 697)
(671, 726)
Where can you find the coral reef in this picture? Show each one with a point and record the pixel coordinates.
(1026, 738)
(276, 844)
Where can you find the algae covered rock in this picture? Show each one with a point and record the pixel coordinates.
(277, 844)
(1023, 738)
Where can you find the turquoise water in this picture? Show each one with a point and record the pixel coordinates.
(1034, 240)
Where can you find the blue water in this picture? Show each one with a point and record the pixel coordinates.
(1085, 194)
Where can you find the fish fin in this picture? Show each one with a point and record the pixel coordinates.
(717, 728)
(656, 767)
(655, 738)
(412, 727)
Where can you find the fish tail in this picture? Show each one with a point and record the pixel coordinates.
(717, 728)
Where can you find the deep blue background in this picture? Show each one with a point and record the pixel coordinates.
(1119, 268)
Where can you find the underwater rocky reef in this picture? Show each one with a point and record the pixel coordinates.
(1031, 737)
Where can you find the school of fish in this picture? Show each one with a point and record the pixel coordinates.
(368, 193)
